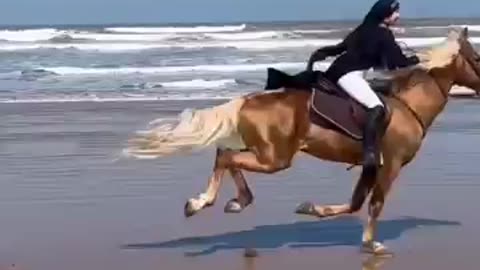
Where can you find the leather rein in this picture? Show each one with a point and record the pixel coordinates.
(412, 111)
(445, 96)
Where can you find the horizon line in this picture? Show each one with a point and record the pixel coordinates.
(206, 23)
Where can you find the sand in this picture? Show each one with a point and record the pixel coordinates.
(66, 203)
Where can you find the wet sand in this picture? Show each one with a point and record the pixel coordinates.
(66, 204)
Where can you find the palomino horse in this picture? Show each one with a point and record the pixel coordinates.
(262, 132)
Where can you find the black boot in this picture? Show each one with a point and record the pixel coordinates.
(374, 129)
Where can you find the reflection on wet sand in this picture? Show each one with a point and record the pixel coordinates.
(374, 262)
(321, 234)
(369, 263)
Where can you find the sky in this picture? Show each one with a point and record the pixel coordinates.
(24, 12)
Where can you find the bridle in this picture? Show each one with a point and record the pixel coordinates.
(417, 117)
(405, 104)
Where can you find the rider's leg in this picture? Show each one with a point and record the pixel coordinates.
(359, 89)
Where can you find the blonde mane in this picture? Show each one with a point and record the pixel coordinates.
(438, 56)
(443, 54)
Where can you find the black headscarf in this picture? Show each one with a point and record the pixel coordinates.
(380, 10)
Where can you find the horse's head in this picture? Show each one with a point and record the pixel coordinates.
(467, 63)
(458, 58)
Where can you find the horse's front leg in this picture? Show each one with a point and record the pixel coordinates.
(387, 175)
(330, 145)
(360, 193)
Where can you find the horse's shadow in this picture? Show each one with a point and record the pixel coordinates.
(345, 231)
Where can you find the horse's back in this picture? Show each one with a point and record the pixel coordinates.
(284, 112)
(289, 98)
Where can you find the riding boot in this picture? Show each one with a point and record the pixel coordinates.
(374, 129)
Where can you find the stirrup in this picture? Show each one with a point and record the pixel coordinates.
(379, 160)
(380, 163)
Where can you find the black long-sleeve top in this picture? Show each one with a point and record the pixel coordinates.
(366, 47)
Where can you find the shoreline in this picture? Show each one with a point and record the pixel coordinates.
(464, 93)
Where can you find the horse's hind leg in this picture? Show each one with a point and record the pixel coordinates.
(208, 197)
(244, 195)
(265, 158)
(362, 189)
(267, 161)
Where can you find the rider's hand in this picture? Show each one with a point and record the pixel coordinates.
(316, 56)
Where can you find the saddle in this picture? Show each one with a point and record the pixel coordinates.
(330, 106)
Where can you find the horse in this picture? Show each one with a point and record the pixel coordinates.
(263, 131)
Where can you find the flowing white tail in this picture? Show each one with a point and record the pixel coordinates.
(196, 130)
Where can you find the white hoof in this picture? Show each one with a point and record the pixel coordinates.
(194, 205)
(375, 248)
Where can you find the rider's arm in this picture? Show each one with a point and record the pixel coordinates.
(324, 52)
(393, 53)
(334, 49)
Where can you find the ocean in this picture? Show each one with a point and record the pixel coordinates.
(171, 62)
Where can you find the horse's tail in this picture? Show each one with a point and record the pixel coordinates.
(196, 130)
(277, 79)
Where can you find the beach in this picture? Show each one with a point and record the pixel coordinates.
(67, 202)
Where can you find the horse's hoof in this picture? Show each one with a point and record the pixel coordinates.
(306, 208)
(233, 206)
(376, 248)
(189, 210)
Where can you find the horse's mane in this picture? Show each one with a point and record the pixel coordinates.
(443, 54)
(438, 56)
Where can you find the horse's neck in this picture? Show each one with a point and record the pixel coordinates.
(429, 95)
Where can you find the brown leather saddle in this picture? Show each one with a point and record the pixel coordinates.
(330, 107)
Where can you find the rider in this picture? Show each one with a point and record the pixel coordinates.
(371, 44)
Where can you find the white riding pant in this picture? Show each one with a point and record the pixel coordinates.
(358, 88)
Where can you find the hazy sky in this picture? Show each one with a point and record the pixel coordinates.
(164, 11)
